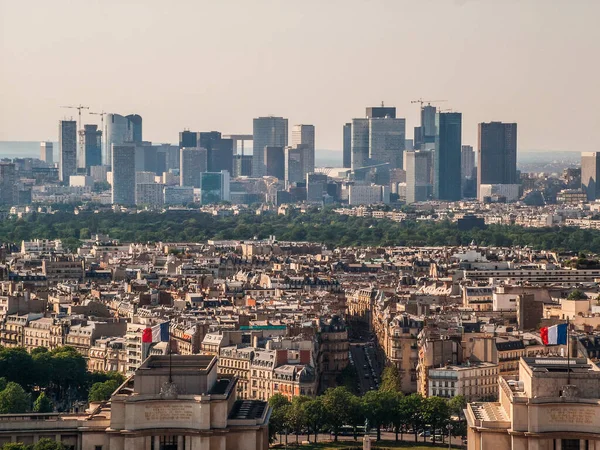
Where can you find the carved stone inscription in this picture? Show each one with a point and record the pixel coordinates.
(579, 416)
(168, 413)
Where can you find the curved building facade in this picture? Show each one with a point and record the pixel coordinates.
(119, 130)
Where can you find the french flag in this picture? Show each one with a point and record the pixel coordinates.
(157, 333)
(555, 335)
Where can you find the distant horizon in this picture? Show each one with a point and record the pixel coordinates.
(316, 150)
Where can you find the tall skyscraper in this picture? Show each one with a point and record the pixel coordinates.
(242, 165)
(135, 121)
(377, 139)
(120, 130)
(219, 151)
(188, 139)
(123, 174)
(497, 154)
(467, 168)
(360, 143)
(193, 162)
(8, 188)
(467, 160)
(448, 142)
(379, 112)
(418, 175)
(590, 175)
(267, 131)
(417, 138)
(91, 151)
(428, 123)
(67, 149)
(274, 158)
(47, 152)
(303, 136)
(347, 156)
(386, 141)
(294, 165)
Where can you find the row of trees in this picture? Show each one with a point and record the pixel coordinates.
(338, 408)
(46, 380)
(322, 226)
(42, 444)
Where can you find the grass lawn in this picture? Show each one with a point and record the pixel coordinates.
(352, 445)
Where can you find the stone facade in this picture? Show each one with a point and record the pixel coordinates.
(172, 403)
(549, 407)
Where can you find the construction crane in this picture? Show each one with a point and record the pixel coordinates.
(429, 102)
(79, 108)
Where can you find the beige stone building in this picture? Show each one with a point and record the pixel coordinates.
(83, 335)
(176, 403)
(12, 332)
(553, 405)
(397, 337)
(476, 381)
(333, 349)
(108, 354)
(37, 333)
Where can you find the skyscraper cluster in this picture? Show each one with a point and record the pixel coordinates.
(434, 164)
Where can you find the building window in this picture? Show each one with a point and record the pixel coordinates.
(570, 444)
(168, 443)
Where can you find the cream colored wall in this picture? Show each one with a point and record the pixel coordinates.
(572, 417)
(242, 441)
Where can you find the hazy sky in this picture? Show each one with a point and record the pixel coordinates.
(216, 64)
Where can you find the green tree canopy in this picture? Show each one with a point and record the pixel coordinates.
(413, 405)
(17, 365)
(377, 408)
(48, 444)
(43, 404)
(436, 413)
(336, 401)
(577, 294)
(101, 392)
(314, 415)
(457, 405)
(15, 446)
(390, 379)
(14, 399)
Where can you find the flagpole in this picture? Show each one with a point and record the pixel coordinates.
(568, 354)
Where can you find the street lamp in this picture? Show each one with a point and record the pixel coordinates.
(449, 428)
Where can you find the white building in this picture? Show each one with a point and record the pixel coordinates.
(149, 194)
(81, 181)
(41, 246)
(303, 137)
(418, 176)
(368, 195)
(193, 161)
(47, 152)
(510, 191)
(475, 381)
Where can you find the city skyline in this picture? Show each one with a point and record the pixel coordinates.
(536, 77)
